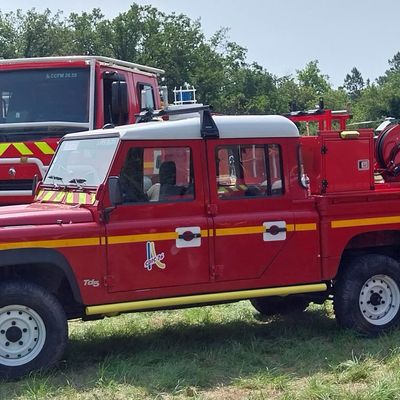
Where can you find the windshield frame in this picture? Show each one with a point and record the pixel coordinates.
(87, 161)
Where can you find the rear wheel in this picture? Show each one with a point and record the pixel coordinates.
(280, 304)
(367, 295)
(33, 329)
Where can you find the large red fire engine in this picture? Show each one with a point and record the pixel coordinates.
(42, 99)
(201, 211)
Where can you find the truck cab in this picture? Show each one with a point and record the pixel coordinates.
(42, 99)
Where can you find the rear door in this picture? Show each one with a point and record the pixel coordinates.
(265, 227)
(159, 236)
(254, 220)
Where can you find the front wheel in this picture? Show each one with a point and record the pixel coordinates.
(33, 329)
(367, 294)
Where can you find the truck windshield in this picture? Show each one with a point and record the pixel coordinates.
(81, 162)
(42, 95)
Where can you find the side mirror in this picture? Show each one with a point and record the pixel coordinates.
(115, 191)
(119, 97)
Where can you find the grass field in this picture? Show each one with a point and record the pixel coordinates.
(221, 352)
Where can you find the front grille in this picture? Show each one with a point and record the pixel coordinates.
(16, 184)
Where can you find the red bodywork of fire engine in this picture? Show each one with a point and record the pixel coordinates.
(28, 139)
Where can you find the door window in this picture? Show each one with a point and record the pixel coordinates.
(157, 175)
(146, 97)
(112, 115)
(249, 171)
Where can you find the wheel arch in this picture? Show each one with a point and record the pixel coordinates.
(46, 267)
(384, 242)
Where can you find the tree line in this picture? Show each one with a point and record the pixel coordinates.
(216, 66)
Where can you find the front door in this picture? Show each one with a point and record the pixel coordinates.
(158, 237)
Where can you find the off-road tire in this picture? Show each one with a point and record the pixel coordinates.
(282, 305)
(33, 329)
(367, 294)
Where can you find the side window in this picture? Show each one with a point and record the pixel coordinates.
(157, 175)
(146, 96)
(249, 170)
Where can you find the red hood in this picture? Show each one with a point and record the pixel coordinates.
(43, 214)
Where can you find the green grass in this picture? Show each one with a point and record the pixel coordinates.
(221, 352)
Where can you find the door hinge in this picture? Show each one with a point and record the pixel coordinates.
(109, 281)
(324, 185)
(212, 210)
(216, 271)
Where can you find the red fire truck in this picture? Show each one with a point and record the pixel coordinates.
(201, 211)
(42, 99)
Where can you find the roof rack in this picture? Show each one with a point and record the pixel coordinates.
(208, 128)
(106, 60)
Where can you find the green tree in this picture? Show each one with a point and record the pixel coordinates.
(217, 66)
(354, 83)
(40, 34)
(88, 32)
(311, 77)
(8, 35)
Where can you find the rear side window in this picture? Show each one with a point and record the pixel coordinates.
(249, 171)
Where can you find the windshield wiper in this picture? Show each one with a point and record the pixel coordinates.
(56, 178)
(78, 181)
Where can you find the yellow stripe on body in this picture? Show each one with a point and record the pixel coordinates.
(44, 148)
(52, 243)
(92, 198)
(306, 227)
(247, 230)
(350, 223)
(23, 149)
(145, 237)
(69, 198)
(40, 193)
(3, 148)
(290, 228)
(47, 195)
(82, 198)
(149, 237)
(60, 196)
(203, 298)
(112, 240)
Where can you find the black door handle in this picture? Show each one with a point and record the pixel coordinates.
(274, 230)
(188, 236)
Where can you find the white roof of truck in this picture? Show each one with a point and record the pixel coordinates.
(244, 126)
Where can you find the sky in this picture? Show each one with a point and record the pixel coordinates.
(281, 35)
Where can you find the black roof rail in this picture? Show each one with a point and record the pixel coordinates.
(208, 128)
